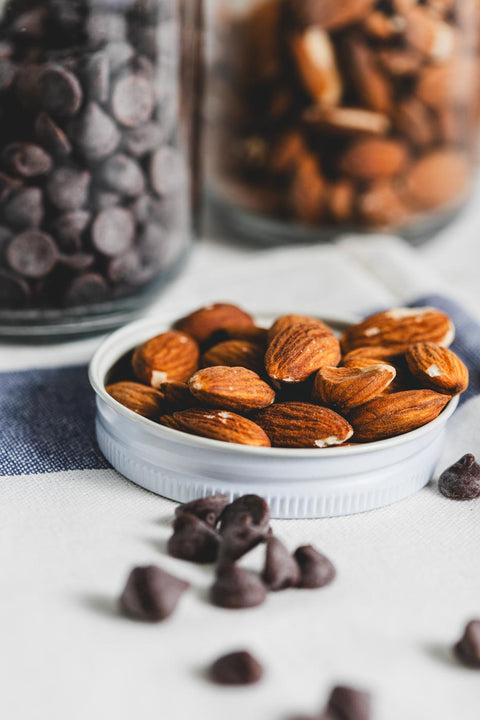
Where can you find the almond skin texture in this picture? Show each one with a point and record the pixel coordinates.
(437, 367)
(205, 321)
(346, 388)
(303, 425)
(171, 356)
(143, 400)
(396, 413)
(400, 328)
(286, 321)
(221, 425)
(300, 350)
(231, 388)
(235, 353)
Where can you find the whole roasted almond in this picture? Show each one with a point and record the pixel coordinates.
(425, 32)
(314, 57)
(328, 14)
(400, 62)
(139, 398)
(286, 321)
(171, 356)
(370, 352)
(286, 151)
(346, 121)
(169, 422)
(303, 425)
(382, 206)
(177, 395)
(236, 353)
(231, 388)
(307, 193)
(437, 367)
(373, 158)
(221, 425)
(346, 388)
(250, 333)
(399, 328)
(439, 178)
(205, 321)
(396, 413)
(300, 350)
(438, 85)
(413, 120)
(340, 200)
(371, 85)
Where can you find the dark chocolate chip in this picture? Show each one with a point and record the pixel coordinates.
(102, 199)
(26, 86)
(193, 540)
(141, 140)
(94, 133)
(140, 208)
(51, 136)
(69, 228)
(61, 92)
(151, 244)
(123, 175)
(26, 160)
(67, 188)
(461, 481)
(281, 569)
(237, 588)
(14, 292)
(347, 703)
(151, 594)
(113, 231)
(79, 262)
(7, 74)
(31, 24)
(126, 269)
(239, 537)
(145, 39)
(178, 395)
(253, 505)
(96, 74)
(207, 509)
(86, 289)
(8, 186)
(6, 49)
(105, 27)
(468, 647)
(119, 54)
(24, 209)
(166, 171)
(236, 668)
(316, 570)
(32, 254)
(133, 100)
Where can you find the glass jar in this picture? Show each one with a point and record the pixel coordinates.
(97, 158)
(326, 115)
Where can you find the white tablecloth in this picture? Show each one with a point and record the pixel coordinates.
(408, 575)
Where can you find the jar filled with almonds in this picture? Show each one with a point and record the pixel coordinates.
(326, 115)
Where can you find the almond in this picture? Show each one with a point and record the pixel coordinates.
(396, 414)
(437, 367)
(139, 398)
(438, 85)
(383, 27)
(300, 350)
(413, 120)
(314, 56)
(205, 321)
(439, 178)
(286, 151)
(169, 422)
(220, 425)
(346, 121)
(171, 356)
(426, 33)
(382, 206)
(399, 328)
(307, 190)
(346, 388)
(286, 321)
(250, 333)
(371, 85)
(328, 14)
(373, 159)
(340, 199)
(235, 353)
(371, 352)
(177, 395)
(303, 425)
(231, 388)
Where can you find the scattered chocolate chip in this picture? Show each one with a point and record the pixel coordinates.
(151, 594)
(113, 231)
(32, 254)
(207, 509)
(26, 160)
(95, 133)
(468, 647)
(193, 540)
(61, 92)
(239, 536)
(236, 668)
(86, 290)
(123, 175)
(254, 505)
(51, 136)
(14, 292)
(461, 481)
(67, 188)
(237, 588)
(133, 100)
(316, 570)
(24, 209)
(281, 569)
(347, 703)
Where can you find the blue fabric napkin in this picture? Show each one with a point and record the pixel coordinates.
(47, 416)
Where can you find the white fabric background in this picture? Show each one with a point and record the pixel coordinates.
(408, 575)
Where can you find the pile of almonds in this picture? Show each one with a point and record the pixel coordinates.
(218, 375)
(345, 112)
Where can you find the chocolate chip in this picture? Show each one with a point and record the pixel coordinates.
(166, 170)
(94, 133)
(102, 199)
(281, 569)
(97, 77)
(193, 540)
(79, 262)
(347, 703)
(69, 228)
(51, 136)
(105, 27)
(237, 588)
(26, 160)
(236, 668)
(31, 23)
(140, 208)
(7, 74)
(86, 290)
(141, 140)
(67, 188)
(119, 54)
(468, 647)
(207, 509)
(123, 175)
(14, 292)
(151, 594)
(239, 536)
(32, 254)
(61, 92)
(113, 231)
(316, 570)
(25, 209)
(26, 86)
(8, 186)
(126, 269)
(461, 481)
(254, 505)
(133, 100)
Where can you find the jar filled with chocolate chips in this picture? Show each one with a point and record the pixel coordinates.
(326, 115)
(97, 158)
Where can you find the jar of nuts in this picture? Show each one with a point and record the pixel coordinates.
(97, 158)
(325, 115)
